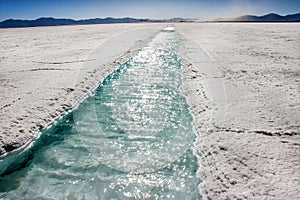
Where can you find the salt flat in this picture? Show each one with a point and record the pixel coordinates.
(43, 68)
(241, 80)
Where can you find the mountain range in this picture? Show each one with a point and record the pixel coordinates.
(271, 17)
(50, 21)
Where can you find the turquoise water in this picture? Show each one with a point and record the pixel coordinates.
(130, 140)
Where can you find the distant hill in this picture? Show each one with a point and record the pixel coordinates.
(49, 21)
(272, 17)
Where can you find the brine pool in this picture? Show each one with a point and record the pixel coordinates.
(131, 139)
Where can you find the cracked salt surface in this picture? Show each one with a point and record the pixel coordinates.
(134, 138)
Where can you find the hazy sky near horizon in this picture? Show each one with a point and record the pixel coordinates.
(155, 9)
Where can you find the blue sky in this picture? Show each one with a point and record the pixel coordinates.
(203, 9)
